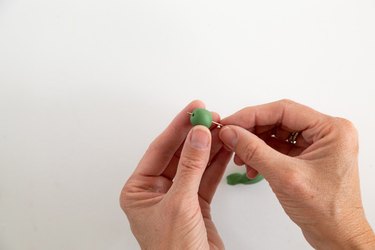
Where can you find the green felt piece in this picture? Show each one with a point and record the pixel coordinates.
(201, 117)
(237, 178)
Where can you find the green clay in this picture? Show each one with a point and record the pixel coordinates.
(237, 178)
(234, 179)
(201, 117)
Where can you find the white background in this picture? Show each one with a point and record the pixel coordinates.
(85, 85)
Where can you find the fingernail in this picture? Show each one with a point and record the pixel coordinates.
(229, 137)
(199, 138)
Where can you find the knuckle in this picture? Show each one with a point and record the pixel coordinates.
(128, 196)
(249, 152)
(191, 162)
(124, 198)
(347, 125)
(347, 134)
(286, 102)
(293, 184)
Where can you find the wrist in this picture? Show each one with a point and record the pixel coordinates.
(173, 243)
(364, 240)
(359, 241)
(350, 235)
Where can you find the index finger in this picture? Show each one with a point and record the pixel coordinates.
(289, 114)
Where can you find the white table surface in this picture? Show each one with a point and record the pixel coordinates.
(85, 85)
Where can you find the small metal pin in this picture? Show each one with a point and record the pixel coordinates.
(219, 125)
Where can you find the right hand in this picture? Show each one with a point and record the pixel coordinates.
(316, 180)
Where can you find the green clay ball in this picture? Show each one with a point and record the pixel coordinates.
(237, 178)
(201, 117)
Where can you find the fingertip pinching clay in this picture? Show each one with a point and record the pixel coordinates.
(201, 116)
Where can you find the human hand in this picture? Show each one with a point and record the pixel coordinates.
(316, 179)
(167, 199)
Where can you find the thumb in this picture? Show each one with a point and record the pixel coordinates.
(253, 151)
(193, 161)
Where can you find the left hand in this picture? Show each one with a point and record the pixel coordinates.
(167, 199)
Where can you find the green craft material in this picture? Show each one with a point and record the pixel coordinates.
(201, 117)
(237, 178)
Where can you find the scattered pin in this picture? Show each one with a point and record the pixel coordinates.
(203, 117)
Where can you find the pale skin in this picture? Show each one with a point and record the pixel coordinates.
(167, 199)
